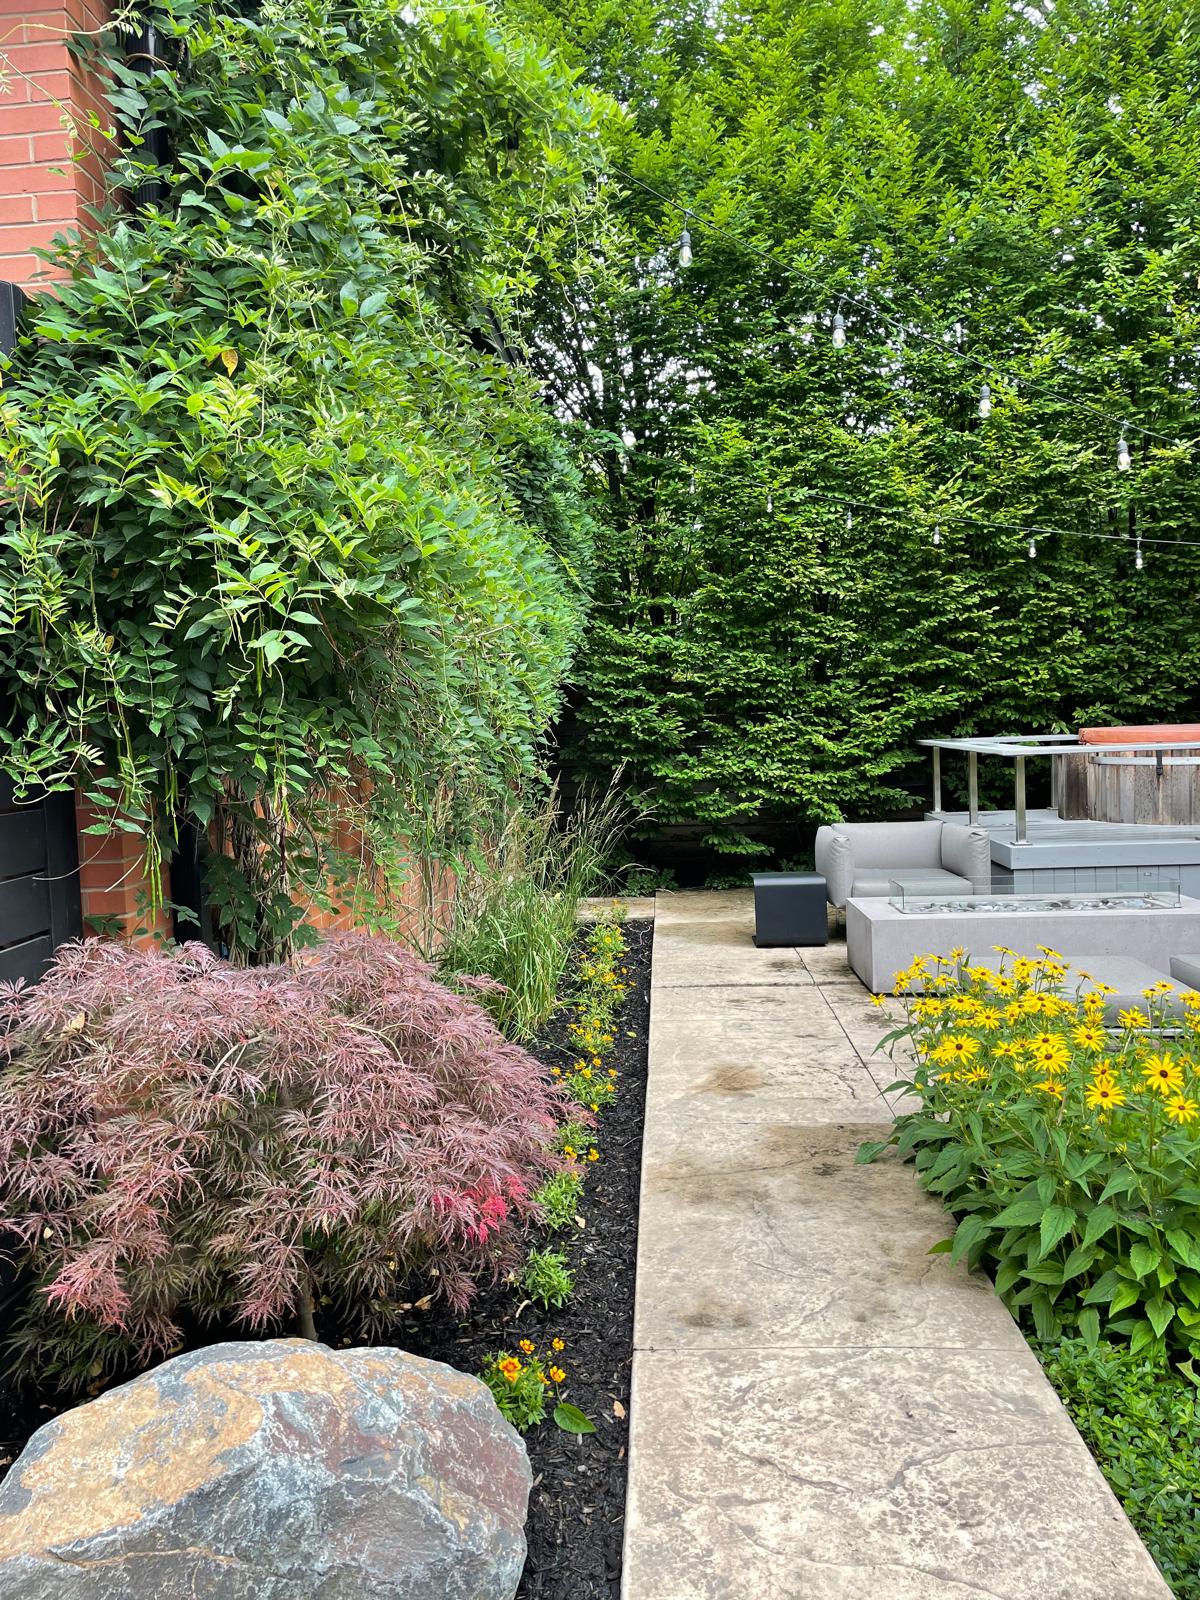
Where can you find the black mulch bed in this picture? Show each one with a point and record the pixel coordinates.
(577, 1508)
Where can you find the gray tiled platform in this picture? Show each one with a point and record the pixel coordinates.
(822, 1410)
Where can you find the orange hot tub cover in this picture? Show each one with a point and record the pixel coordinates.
(1153, 733)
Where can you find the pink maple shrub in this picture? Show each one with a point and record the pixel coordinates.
(182, 1138)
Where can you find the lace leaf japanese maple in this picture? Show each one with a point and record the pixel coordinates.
(183, 1141)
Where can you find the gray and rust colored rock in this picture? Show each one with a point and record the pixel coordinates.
(278, 1470)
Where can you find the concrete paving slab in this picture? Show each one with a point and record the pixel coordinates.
(818, 1474)
(790, 1209)
(704, 905)
(713, 953)
(821, 1410)
(775, 1053)
(637, 907)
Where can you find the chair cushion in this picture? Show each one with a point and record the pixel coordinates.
(873, 883)
(1147, 733)
(1186, 970)
(897, 845)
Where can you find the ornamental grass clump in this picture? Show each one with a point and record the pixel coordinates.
(184, 1140)
(1068, 1148)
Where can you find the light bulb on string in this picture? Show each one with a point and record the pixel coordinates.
(770, 503)
(849, 520)
(839, 331)
(985, 401)
(685, 249)
(1124, 459)
(1139, 561)
(937, 534)
(1032, 548)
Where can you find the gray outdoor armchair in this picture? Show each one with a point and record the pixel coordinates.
(866, 858)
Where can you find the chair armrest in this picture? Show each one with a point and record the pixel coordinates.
(967, 852)
(834, 860)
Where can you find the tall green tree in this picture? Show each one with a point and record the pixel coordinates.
(1019, 186)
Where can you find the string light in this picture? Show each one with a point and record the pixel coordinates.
(937, 534)
(770, 503)
(895, 322)
(839, 331)
(985, 401)
(1032, 548)
(1139, 561)
(1124, 459)
(993, 524)
(849, 519)
(685, 249)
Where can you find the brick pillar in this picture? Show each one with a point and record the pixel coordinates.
(46, 103)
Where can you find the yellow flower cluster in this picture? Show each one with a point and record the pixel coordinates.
(602, 986)
(1032, 1026)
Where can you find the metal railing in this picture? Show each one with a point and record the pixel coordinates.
(1019, 747)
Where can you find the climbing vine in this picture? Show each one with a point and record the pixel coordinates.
(289, 535)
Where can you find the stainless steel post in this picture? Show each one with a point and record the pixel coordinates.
(973, 786)
(1019, 799)
(937, 780)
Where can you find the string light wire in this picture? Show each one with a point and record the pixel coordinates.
(893, 320)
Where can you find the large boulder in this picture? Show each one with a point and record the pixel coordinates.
(271, 1471)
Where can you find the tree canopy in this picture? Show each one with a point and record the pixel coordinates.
(1017, 183)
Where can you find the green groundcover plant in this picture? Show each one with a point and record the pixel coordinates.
(1068, 1150)
(1140, 1420)
(286, 527)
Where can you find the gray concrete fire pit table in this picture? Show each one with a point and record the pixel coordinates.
(882, 939)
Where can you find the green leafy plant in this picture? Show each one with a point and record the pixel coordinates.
(290, 540)
(521, 1385)
(558, 1201)
(518, 1388)
(571, 1137)
(547, 1279)
(514, 916)
(1068, 1150)
(1140, 1420)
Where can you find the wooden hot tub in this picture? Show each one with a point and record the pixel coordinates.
(1153, 786)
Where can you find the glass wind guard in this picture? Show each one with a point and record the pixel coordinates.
(1042, 889)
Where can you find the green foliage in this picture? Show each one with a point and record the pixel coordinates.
(558, 1201)
(752, 659)
(571, 1137)
(284, 516)
(1070, 1156)
(519, 1388)
(547, 1279)
(514, 916)
(1140, 1421)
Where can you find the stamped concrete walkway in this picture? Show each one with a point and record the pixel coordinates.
(822, 1410)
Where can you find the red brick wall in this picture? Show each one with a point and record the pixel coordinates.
(113, 885)
(46, 102)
